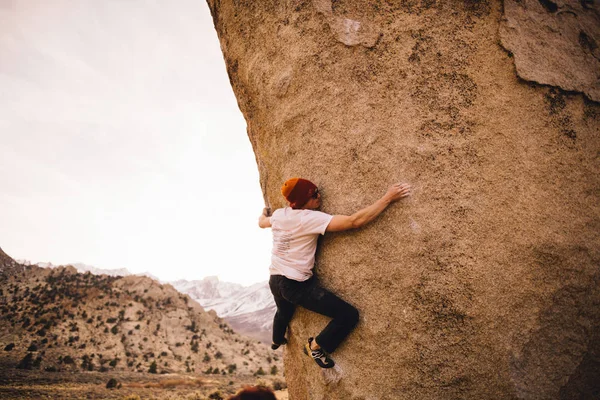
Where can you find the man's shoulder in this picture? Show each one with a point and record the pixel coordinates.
(289, 212)
(315, 215)
(281, 211)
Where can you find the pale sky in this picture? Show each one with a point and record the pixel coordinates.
(121, 143)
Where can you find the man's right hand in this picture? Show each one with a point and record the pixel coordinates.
(360, 218)
(398, 191)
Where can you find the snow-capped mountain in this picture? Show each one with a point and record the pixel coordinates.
(207, 290)
(249, 310)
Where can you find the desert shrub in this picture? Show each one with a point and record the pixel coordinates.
(260, 371)
(206, 358)
(9, 347)
(278, 384)
(152, 368)
(216, 395)
(26, 362)
(37, 361)
(67, 360)
(274, 370)
(51, 368)
(194, 347)
(114, 330)
(87, 363)
(231, 368)
(32, 347)
(218, 355)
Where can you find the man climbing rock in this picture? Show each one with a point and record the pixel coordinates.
(295, 232)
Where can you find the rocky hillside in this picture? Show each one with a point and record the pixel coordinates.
(61, 320)
(248, 310)
(484, 284)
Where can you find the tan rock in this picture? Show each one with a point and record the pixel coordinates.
(555, 42)
(483, 285)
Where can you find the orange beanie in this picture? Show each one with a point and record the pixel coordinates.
(298, 191)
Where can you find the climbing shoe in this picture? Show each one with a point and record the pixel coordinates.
(319, 355)
(275, 346)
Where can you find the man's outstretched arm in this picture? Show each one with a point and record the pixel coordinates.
(264, 221)
(362, 217)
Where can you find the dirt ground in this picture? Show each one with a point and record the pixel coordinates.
(20, 384)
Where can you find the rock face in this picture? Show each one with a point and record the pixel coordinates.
(482, 285)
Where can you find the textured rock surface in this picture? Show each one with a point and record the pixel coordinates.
(485, 283)
(555, 42)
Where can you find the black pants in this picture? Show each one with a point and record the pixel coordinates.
(309, 294)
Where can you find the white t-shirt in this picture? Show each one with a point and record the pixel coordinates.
(295, 234)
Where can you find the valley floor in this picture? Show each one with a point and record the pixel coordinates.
(22, 384)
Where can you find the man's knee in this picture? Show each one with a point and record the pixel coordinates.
(351, 315)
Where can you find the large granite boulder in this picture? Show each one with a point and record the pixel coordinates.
(484, 284)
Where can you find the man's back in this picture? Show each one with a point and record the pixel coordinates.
(295, 234)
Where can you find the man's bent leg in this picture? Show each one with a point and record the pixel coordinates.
(345, 316)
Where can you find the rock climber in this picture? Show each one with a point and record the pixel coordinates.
(295, 232)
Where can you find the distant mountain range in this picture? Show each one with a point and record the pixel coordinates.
(83, 268)
(248, 309)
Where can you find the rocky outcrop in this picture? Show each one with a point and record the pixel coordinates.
(485, 283)
(555, 43)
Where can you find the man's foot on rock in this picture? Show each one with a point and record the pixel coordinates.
(275, 346)
(321, 358)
